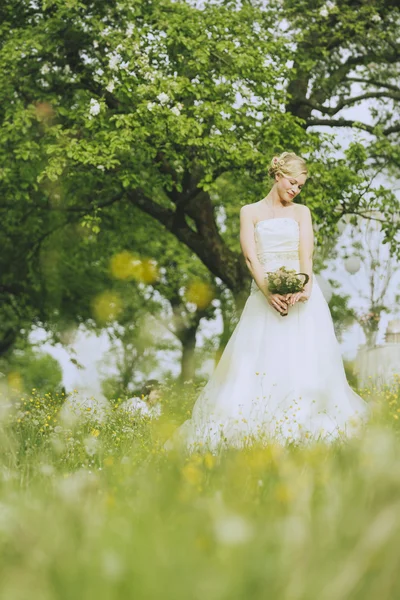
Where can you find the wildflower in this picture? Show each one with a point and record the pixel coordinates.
(192, 474)
(209, 460)
(376, 18)
(324, 12)
(232, 530)
(91, 445)
(151, 105)
(113, 567)
(175, 111)
(46, 469)
(110, 87)
(74, 486)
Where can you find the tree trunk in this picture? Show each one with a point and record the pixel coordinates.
(7, 341)
(187, 359)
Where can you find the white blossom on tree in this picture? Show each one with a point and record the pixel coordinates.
(95, 107)
(163, 98)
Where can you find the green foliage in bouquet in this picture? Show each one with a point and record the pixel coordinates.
(286, 281)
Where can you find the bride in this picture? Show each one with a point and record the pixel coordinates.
(278, 378)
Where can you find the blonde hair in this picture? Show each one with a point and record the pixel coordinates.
(287, 164)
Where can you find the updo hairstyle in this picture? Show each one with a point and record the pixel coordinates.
(287, 164)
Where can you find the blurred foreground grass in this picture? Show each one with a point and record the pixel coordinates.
(93, 507)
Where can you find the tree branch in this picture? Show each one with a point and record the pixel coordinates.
(350, 123)
(348, 102)
(375, 82)
(206, 243)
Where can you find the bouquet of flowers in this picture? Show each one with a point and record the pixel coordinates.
(286, 281)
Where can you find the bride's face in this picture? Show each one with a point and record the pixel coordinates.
(289, 187)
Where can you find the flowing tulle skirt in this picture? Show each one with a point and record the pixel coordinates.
(279, 378)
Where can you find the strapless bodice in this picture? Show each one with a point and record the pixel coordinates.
(277, 243)
(279, 235)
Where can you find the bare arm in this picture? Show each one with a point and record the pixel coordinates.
(306, 247)
(306, 250)
(249, 250)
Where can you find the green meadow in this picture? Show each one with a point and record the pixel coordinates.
(96, 508)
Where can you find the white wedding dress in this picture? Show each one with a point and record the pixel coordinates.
(279, 378)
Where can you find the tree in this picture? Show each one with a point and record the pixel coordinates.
(149, 106)
(28, 369)
(373, 276)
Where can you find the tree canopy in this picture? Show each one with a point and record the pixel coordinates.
(145, 109)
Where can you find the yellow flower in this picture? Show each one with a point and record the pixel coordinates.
(95, 432)
(282, 493)
(209, 460)
(192, 474)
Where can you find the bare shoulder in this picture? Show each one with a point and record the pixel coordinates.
(303, 212)
(247, 212)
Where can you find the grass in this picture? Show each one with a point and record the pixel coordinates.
(97, 509)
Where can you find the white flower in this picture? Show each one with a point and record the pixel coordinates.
(376, 18)
(99, 72)
(330, 5)
(45, 69)
(47, 470)
(129, 30)
(163, 98)
(114, 61)
(91, 445)
(101, 167)
(113, 566)
(75, 485)
(232, 530)
(151, 105)
(324, 12)
(175, 110)
(95, 44)
(149, 76)
(57, 444)
(110, 87)
(94, 107)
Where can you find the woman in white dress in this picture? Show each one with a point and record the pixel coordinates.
(279, 378)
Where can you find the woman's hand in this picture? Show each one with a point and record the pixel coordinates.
(297, 297)
(278, 302)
